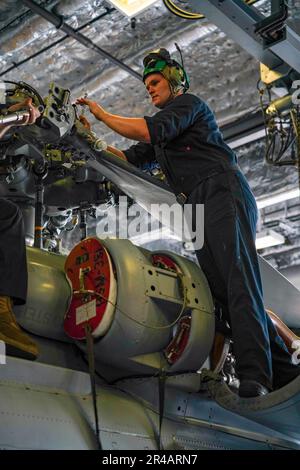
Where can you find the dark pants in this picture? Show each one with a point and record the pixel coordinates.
(229, 261)
(13, 267)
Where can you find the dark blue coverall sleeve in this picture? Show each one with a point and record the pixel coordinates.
(174, 119)
(140, 154)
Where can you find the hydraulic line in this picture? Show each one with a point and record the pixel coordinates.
(188, 15)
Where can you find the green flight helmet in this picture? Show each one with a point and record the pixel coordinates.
(160, 61)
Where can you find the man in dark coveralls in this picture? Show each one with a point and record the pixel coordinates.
(13, 267)
(201, 169)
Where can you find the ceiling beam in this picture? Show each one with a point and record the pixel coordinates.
(239, 21)
(59, 23)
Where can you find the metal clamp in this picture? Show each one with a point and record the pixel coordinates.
(181, 198)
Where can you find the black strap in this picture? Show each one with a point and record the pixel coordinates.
(162, 160)
(91, 361)
(161, 396)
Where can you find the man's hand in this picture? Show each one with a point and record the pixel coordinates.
(86, 123)
(25, 105)
(83, 129)
(94, 108)
(131, 128)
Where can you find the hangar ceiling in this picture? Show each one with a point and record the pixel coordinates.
(222, 73)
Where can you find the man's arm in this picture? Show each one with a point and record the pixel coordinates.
(84, 129)
(137, 154)
(117, 152)
(33, 115)
(131, 128)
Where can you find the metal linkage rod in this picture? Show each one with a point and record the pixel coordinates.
(14, 118)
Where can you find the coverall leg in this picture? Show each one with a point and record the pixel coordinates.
(13, 267)
(13, 281)
(229, 261)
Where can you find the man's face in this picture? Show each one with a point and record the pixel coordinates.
(159, 89)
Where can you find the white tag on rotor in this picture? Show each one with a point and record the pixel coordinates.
(85, 312)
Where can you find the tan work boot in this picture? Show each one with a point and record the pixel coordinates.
(17, 342)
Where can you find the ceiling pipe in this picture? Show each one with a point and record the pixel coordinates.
(280, 250)
(53, 44)
(58, 22)
(18, 20)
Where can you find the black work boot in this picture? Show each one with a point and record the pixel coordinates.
(17, 342)
(251, 388)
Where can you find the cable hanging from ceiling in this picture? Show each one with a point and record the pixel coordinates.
(282, 128)
(188, 15)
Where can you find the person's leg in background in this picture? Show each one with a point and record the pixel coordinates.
(228, 235)
(13, 280)
(284, 371)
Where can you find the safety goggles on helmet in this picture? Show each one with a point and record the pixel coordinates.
(154, 66)
(156, 56)
(156, 61)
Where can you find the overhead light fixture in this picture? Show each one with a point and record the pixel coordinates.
(268, 238)
(276, 198)
(264, 239)
(260, 134)
(132, 8)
